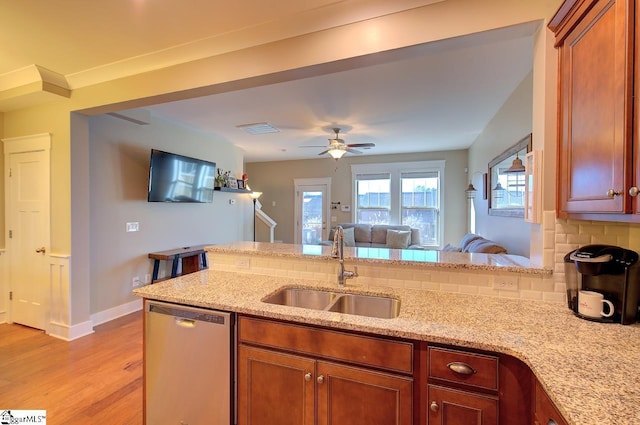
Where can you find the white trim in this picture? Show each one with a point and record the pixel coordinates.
(115, 312)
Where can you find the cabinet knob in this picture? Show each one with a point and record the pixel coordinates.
(634, 191)
(552, 422)
(307, 376)
(434, 406)
(613, 193)
(320, 379)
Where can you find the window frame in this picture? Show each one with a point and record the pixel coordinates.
(395, 170)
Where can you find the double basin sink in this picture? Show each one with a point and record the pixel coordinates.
(361, 305)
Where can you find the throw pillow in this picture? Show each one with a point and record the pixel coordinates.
(398, 239)
(451, 248)
(349, 237)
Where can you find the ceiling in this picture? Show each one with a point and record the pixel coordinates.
(432, 97)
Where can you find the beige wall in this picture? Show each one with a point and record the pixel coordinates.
(508, 126)
(119, 170)
(332, 49)
(275, 180)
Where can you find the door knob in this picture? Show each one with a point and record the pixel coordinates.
(41, 250)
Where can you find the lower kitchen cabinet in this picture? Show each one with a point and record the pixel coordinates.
(544, 411)
(454, 407)
(316, 383)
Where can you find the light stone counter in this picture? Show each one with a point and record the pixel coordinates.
(589, 369)
(416, 258)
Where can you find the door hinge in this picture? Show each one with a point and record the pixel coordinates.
(10, 295)
(9, 172)
(10, 234)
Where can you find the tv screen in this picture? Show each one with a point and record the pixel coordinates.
(178, 178)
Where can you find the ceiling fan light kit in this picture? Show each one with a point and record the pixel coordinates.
(337, 146)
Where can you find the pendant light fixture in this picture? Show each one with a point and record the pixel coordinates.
(336, 153)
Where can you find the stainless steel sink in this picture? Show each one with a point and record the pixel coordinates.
(305, 298)
(361, 305)
(366, 305)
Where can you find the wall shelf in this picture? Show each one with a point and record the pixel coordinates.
(230, 189)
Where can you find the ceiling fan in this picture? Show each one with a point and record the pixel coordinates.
(337, 146)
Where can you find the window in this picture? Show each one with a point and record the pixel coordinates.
(406, 193)
(373, 203)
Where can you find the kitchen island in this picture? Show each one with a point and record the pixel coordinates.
(588, 369)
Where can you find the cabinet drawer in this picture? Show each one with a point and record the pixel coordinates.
(396, 356)
(545, 412)
(473, 369)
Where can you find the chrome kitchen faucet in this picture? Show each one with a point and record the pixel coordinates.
(337, 251)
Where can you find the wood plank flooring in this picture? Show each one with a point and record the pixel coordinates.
(93, 380)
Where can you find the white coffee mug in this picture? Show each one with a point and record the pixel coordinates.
(591, 304)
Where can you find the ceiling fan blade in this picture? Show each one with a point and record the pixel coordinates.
(353, 151)
(317, 146)
(322, 153)
(361, 145)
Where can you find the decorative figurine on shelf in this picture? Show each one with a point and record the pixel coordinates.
(220, 179)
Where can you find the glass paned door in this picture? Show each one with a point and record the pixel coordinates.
(313, 221)
(311, 210)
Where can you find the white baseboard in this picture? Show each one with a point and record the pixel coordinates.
(3, 316)
(115, 312)
(69, 333)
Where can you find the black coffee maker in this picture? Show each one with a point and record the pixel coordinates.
(610, 270)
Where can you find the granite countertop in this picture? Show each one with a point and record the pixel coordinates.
(416, 258)
(588, 369)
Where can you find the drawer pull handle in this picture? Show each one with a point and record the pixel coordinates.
(434, 406)
(461, 368)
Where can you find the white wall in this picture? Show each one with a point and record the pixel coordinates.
(119, 166)
(512, 122)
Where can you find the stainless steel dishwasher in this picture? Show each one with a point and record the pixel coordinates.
(189, 365)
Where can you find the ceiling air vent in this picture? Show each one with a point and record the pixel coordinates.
(258, 128)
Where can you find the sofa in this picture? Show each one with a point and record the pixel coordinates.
(474, 243)
(378, 236)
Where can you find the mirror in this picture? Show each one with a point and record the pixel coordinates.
(507, 187)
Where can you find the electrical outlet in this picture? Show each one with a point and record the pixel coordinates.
(147, 279)
(133, 226)
(505, 283)
(135, 282)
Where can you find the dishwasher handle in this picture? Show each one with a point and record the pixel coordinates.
(185, 323)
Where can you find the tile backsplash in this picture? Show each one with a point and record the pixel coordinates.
(559, 237)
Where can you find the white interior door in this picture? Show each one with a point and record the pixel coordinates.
(28, 228)
(311, 210)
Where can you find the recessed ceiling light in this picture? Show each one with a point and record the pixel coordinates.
(258, 128)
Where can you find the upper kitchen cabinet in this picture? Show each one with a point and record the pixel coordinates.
(597, 171)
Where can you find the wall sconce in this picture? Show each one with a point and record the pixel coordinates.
(471, 191)
(516, 166)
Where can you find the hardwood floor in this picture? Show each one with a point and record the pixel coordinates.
(93, 380)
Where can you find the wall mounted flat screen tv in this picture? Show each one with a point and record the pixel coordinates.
(178, 178)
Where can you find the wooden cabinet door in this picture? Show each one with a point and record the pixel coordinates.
(354, 396)
(453, 407)
(275, 388)
(596, 86)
